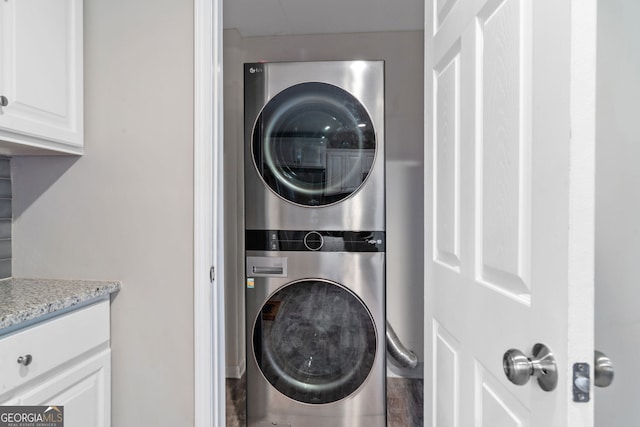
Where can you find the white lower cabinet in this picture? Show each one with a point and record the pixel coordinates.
(347, 169)
(83, 390)
(75, 372)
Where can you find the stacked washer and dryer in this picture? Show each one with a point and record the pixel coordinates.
(315, 244)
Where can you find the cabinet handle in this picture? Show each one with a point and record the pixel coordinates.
(3, 101)
(25, 360)
(267, 270)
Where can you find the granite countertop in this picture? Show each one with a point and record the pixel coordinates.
(24, 301)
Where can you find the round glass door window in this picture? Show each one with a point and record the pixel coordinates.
(315, 341)
(314, 144)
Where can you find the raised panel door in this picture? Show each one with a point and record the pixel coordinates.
(509, 98)
(84, 390)
(335, 172)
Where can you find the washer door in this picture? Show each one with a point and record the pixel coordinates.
(313, 144)
(314, 341)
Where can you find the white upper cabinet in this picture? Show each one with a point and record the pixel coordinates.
(41, 82)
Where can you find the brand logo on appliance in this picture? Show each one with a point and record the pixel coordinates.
(253, 70)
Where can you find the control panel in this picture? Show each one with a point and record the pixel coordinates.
(315, 240)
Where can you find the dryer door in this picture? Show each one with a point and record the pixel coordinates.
(314, 144)
(315, 341)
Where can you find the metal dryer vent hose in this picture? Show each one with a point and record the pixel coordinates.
(405, 357)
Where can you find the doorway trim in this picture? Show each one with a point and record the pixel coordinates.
(208, 237)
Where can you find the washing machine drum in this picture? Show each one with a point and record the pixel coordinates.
(314, 144)
(315, 341)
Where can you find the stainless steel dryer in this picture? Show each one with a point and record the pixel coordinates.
(315, 329)
(314, 145)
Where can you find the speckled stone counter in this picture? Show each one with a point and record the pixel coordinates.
(25, 301)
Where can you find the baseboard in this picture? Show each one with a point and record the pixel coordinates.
(236, 371)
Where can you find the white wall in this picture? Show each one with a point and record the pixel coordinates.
(618, 209)
(124, 210)
(403, 53)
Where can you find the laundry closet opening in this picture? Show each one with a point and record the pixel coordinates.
(252, 35)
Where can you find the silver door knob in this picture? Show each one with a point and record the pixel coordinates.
(603, 369)
(3, 101)
(25, 360)
(519, 368)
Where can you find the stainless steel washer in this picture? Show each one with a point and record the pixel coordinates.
(314, 145)
(315, 307)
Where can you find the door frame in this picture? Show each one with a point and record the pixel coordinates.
(208, 237)
(209, 345)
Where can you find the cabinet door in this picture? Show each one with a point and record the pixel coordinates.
(367, 161)
(335, 172)
(352, 170)
(84, 390)
(41, 75)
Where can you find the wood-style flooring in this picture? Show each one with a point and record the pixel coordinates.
(404, 402)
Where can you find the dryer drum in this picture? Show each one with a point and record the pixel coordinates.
(320, 344)
(301, 138)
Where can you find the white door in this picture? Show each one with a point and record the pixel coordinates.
(509, 119)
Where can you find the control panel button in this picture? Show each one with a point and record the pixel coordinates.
(313, 241)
